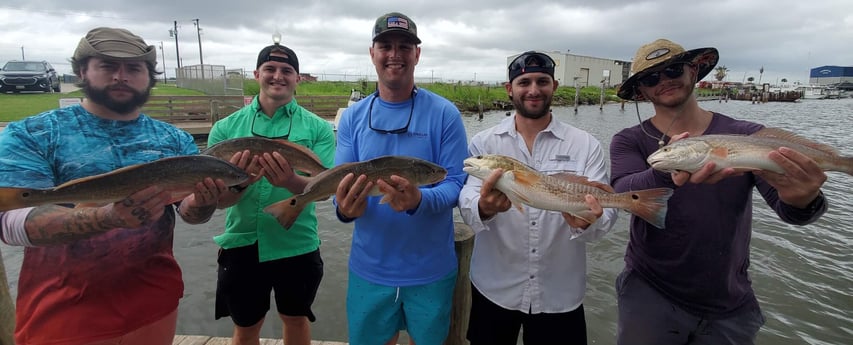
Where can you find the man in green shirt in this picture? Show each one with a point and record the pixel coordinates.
(257, 255)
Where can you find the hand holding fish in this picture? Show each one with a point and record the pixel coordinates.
(279, 172)
(800, 184)
(141, 208)
(708, 173)
(248, 162)
(400, 195)
(595, 211)
(351, 195)
(492, 201)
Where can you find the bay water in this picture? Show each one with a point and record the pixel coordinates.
(802, 275)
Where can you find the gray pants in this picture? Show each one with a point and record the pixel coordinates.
(646, 317)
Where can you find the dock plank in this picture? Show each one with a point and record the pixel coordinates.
(206, 340)
(190, 340)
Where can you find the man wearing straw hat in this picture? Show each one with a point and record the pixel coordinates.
(688, 283)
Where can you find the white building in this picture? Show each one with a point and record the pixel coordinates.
(572, 70)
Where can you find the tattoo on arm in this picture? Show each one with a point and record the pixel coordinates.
(51, 224)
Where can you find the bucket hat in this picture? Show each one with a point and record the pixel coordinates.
(661, 53)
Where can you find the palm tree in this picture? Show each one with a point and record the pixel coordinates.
(721, 73)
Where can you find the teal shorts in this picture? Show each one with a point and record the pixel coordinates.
(376, 312)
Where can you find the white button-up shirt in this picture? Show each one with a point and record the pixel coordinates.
(527, 261)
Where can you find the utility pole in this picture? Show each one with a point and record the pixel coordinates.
(174, 33)
(22, 53)
(200, 56)
(163, 55)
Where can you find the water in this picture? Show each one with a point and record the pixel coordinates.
(802, 275)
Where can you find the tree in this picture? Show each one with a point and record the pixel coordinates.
(721, 73)
(784, 80)
(750, 79)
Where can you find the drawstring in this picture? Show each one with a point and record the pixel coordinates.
(398, 295)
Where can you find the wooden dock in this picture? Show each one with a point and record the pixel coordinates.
(205, 340)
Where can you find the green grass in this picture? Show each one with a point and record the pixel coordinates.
(15, 106)
(468, 98)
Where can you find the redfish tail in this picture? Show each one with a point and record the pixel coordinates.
(846, 165)
(650, 205)
(285, 211)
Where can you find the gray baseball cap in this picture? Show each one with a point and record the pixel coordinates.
(116, 44)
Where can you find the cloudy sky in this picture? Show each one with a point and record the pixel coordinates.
(462, 40)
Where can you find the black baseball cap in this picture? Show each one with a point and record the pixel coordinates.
(288, 58)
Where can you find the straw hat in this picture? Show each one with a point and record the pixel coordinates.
(663, 52)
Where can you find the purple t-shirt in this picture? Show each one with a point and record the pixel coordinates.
(700, 260)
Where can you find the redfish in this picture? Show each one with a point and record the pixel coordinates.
(744, 152)
(176, 174)
(565, 192)
(324, 185)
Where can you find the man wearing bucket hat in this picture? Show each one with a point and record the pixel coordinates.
(402, 266)
(258, 256)
(688, 283)
(105, 274)
(528, 268)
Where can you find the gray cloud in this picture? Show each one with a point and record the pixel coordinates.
(461, 40)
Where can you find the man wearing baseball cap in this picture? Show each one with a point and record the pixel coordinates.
(99, 274)
(402, 266)
(528, 269)
(258, 255)
(688, 283)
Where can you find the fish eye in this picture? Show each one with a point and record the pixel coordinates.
(25, 194)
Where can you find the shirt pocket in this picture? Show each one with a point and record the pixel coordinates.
(552, 167)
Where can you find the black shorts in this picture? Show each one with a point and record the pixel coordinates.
(491, 324)
(243, 285)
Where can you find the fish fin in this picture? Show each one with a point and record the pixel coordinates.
(586, 215)
(846, 165)
(385, 199)
(285, 211)
(571, 177)
(523, 177)
(778, 133)
(579, 179)
(650, 204)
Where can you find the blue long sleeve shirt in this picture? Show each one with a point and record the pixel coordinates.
(414, 247)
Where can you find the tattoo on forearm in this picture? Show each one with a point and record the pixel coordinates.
(52, 224)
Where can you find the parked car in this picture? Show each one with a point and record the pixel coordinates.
(17, 76)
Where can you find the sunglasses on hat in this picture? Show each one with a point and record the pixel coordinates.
(531, 59)
(672, 72)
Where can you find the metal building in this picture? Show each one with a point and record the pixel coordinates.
(579, 70)
(837, 76)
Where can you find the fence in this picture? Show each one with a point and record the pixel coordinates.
(211, 79)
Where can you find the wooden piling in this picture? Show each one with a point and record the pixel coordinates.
(7, 309)
(464, 240)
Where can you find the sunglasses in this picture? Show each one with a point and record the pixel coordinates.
(531, 59)
(283, 137)
(671, 72)
(391, 131)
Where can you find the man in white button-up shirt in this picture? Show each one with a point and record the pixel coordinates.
(526, 270)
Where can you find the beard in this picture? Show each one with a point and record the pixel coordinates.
(532, 113)
(102, 97)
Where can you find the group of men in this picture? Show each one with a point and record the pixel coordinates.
(107, 275)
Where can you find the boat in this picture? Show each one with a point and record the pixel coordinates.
(818, 92)
(354, 96)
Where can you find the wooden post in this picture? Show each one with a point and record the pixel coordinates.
(7, 309)
(464, 239)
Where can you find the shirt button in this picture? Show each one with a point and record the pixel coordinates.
(534, 250)
(532, 223)
(531, 276)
